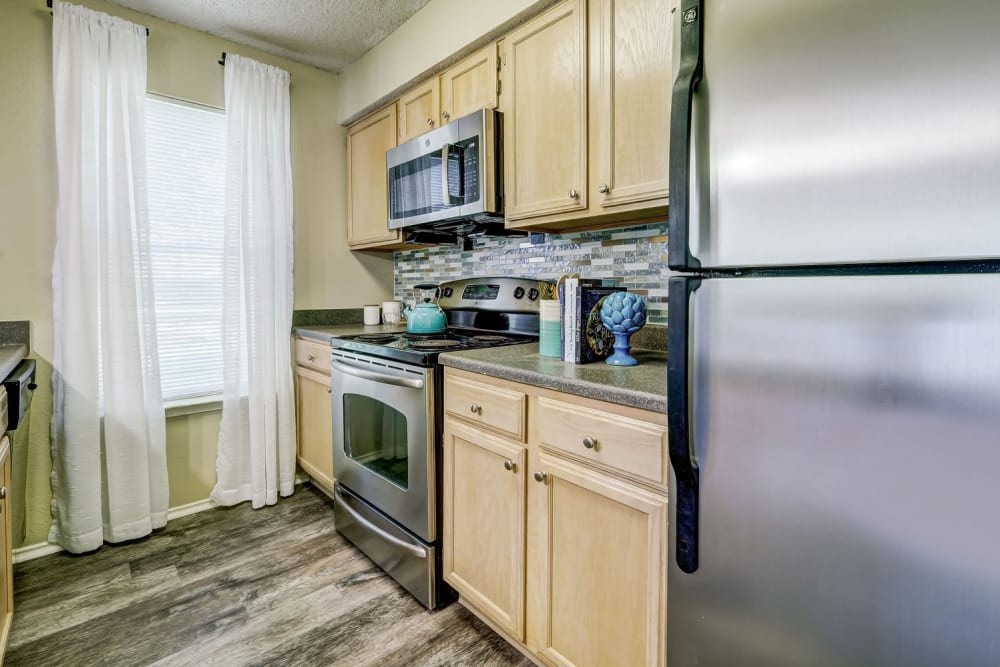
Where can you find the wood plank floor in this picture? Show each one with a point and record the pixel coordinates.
(235, 586)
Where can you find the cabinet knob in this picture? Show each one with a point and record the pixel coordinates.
(430, 122)
(329, 390)
(509, 465)
(589, 442)
(445, 115)
(475, 408)
(541, 477)
(603, 189)
(573, 194)
(311, 357)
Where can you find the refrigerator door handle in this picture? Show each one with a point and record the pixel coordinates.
(688, 76)
(682, 455)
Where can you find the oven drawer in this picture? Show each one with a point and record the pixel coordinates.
(500, 409)
(623, 445)
(313, 354)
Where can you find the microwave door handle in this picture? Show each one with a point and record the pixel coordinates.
(412, 383)
(445, 185)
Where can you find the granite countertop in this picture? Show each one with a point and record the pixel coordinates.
(325, 333)
(10, 357)
(643, 386)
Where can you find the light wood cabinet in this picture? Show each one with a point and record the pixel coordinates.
(601, 575)
(419, 110)
(545, 114)
(314, 416)
(367, 181)
(631, 43)
(484, 523)
(470, 85)
(585, 585)
(6, 554)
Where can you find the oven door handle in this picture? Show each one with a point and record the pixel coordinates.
(413, 383)
(411, 549)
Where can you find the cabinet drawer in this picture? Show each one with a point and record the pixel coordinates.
(619, 444)
(313, 354)
(487, 405)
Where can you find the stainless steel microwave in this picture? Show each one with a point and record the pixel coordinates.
(451, 174)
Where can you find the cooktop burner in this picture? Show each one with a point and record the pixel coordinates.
(435, 343)
(376, 338)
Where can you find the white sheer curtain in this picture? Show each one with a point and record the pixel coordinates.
(109, 467)
(256, 455)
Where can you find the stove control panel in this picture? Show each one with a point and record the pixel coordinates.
(501, 294)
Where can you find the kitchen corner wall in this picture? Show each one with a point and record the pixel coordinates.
(635, 256)
(182, 63)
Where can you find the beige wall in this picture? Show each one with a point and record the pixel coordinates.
(181, 63)
(431, 36)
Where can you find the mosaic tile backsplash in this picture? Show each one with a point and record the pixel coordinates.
(635, 256)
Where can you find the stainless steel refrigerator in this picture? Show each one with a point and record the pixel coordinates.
(834, 336)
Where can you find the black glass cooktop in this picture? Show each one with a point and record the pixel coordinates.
(423, 348)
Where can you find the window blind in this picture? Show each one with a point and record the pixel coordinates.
(186, 166)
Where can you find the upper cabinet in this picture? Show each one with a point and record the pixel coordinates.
(585, 91)
(587, 116)
(631, 43)
(470, 85)
(545, 114)
(419, 110)
(367, 181)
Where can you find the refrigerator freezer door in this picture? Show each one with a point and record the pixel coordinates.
(847, 435)
(843, 132)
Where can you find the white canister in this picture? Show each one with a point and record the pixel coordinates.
(371, 315)
(392, 312)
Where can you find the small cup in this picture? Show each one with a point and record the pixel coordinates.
(549, 329)
(371, 315)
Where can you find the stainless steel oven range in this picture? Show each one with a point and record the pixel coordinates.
(386, 394)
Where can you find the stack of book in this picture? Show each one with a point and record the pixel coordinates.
(585, 339)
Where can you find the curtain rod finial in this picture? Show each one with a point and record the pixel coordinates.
(222, 61)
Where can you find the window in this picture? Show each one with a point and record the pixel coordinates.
(186, 159)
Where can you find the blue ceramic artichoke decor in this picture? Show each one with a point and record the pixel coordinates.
(623, 313)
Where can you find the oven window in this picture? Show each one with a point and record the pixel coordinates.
(375, 437)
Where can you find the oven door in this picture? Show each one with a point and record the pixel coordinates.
(383, 441)
(426, 178)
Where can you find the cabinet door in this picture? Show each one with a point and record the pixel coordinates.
(6, 556)
(314, 419)
(484, 523)
(598, 567)
(470, 85)
(545, 80)
(419, 110)
(367, 179)
(631, 74)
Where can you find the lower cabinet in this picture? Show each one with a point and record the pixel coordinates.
(600, 568)
(484, 523)
(314, 424)
(6, 555)
(564, 554)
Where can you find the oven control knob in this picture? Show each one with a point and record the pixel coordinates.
(446, 292)
(532, 294)
(518, 292)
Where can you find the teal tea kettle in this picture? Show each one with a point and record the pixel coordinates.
(426, 317)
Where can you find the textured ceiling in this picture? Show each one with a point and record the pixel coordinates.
(329, 34)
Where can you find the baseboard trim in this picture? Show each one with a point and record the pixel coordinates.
(191, 508)
(33, 551)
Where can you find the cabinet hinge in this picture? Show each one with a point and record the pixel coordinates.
(499, 86)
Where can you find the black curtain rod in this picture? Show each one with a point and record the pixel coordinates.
(48, 3)
(222, 60)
